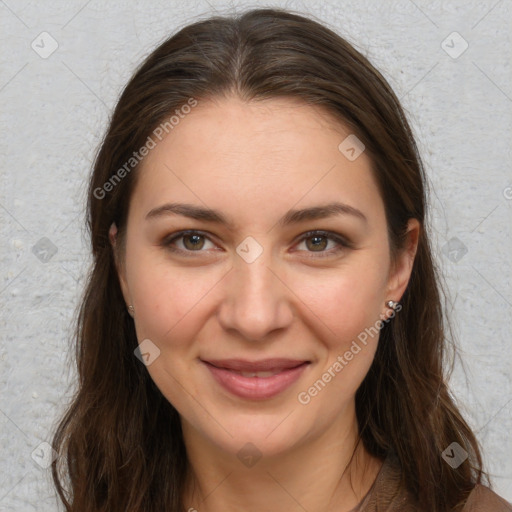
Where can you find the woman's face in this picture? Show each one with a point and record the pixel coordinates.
(250, 291)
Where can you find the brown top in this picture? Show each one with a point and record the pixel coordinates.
(387, 495)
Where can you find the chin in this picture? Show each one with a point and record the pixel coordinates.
(257, 433)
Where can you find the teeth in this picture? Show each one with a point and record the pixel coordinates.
(257, 374)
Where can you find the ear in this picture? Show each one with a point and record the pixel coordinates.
(112, 235)
(400, 272)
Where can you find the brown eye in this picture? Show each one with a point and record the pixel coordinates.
(318, 243)
(193, 242)
(186, 242)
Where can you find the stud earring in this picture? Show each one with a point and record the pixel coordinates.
(391, 304)
(131, 311)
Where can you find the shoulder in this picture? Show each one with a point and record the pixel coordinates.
(482, 499)
(389, 494)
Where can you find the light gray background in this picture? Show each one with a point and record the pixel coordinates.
(54, 111)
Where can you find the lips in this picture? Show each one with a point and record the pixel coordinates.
(256, 379)
(265, 365)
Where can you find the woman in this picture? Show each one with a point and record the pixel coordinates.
(262, 327)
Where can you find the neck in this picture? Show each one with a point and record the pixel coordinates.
(329, 473)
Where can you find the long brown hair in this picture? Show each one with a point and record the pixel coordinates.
(120, 441)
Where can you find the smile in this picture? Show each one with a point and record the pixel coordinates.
(256, 380)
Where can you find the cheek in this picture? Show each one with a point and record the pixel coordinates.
(161, 296)
(346, 301)
(170, 311)
(167, 300)
(349, 305)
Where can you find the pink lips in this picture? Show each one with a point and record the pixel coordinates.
(256, 379)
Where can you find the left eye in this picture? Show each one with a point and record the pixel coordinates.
(319, 240)
(194, 241)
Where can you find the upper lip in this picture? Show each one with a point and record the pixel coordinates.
(256, 366)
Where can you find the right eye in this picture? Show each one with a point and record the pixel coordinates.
(190, 241)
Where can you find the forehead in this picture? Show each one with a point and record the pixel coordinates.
(259, 156)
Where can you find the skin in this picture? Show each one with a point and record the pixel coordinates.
(295, 300)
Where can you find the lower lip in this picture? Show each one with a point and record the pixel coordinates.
(256, 388)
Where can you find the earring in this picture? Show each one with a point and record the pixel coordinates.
(131, 311)
(391, 304)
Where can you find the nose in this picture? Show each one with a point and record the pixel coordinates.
(256, 300)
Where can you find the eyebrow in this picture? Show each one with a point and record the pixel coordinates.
(291, 217)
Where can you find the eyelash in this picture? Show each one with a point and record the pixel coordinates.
(343, 244)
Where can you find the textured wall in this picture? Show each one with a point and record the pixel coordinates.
(54, 110)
